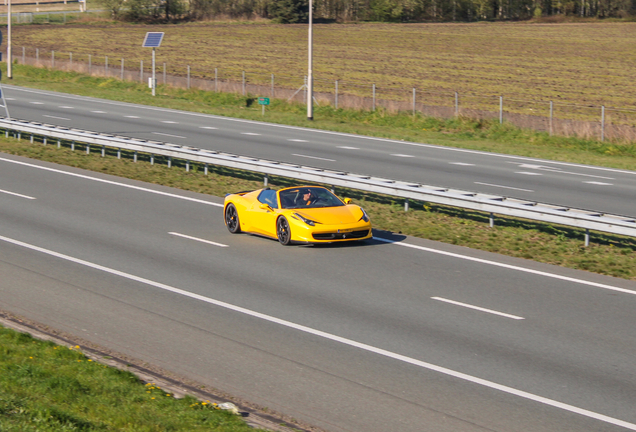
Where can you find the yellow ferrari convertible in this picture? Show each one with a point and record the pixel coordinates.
(307, 214)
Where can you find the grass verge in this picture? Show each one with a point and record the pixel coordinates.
(46, 387)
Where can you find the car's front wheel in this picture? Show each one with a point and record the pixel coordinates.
(282, 231)
(232, 219)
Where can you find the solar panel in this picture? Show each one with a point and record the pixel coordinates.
(153, 40)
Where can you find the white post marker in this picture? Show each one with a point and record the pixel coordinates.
(153, 40)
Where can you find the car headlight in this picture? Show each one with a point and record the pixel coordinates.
(304, 219)
(365, 216)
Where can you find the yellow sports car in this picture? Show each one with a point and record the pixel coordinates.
(307, 214)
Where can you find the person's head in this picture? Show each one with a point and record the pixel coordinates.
(306, 195)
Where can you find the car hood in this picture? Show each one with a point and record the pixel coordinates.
(332, 215)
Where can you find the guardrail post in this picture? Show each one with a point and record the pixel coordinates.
(187, 166)
(88, 148)
(103, 151)
(205, 169)
(44, 141)
(59, 143)
(265, 180)
(587, 237)
(169, 161)
(118, 153)
(135, 156)
(406, 205)
(152, 159)
(492, 220)
(73, 145)
(31, 138)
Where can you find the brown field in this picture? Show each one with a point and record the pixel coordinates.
(579, 66)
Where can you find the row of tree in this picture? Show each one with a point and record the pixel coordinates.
(293, 11)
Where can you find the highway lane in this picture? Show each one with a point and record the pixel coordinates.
(586, 187)
(410, 336)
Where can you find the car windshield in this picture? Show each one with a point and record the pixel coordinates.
(308, 197)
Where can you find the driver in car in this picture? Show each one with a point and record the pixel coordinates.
(306, 198)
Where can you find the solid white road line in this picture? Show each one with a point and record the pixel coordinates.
(466, 305)
(509, 266)
(504, 187)
(54, 117)
(113, 183)
(168, 135)
(313, 157)
(198, 239)
(16, 194)
(335, 338)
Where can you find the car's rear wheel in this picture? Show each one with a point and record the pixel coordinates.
(283, 231)
(232, 219)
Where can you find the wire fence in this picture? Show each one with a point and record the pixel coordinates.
(614, 124)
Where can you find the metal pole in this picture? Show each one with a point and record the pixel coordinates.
(153, 72)
(373, 97)
(9, 59)
(336, 94)
(551, 115)
(310, 77)
(456, 104)
(603, 123)
(413, 100)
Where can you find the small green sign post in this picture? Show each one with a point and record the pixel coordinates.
(262, 101)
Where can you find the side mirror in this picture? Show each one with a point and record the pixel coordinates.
(266, 207)
(347, 200)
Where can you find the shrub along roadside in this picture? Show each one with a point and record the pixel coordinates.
(607, 254)
(46, 387)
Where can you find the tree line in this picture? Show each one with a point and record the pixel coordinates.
(296, 11)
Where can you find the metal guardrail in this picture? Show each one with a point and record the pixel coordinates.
(493, 204)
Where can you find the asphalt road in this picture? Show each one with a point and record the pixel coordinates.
(397, 334)
(585, 187)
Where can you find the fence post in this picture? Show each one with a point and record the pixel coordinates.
(52, 59)
(603, 123)
(188, 77)
(272, 86)
(551, 115)
(216, 79)
(413, 100)
(456, 104)
(373, 97)
(70, 58)
(587, 237)
(500, 109)
(243, 83)
(23, 54)
(336, 94)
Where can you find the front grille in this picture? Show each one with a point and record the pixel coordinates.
(341, 236)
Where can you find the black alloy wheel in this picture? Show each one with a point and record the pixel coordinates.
(232, 219)
(282, 231)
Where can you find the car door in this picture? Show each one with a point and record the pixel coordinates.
(263, 213)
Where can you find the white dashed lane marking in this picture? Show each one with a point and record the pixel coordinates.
(348, 148)
(527, 173)
(54, 117)
(314, 157)
(490, 311)
(207, 127)
(461, 163)
(198, 239)
(599, 183)
(402, 155)
(168, 135)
